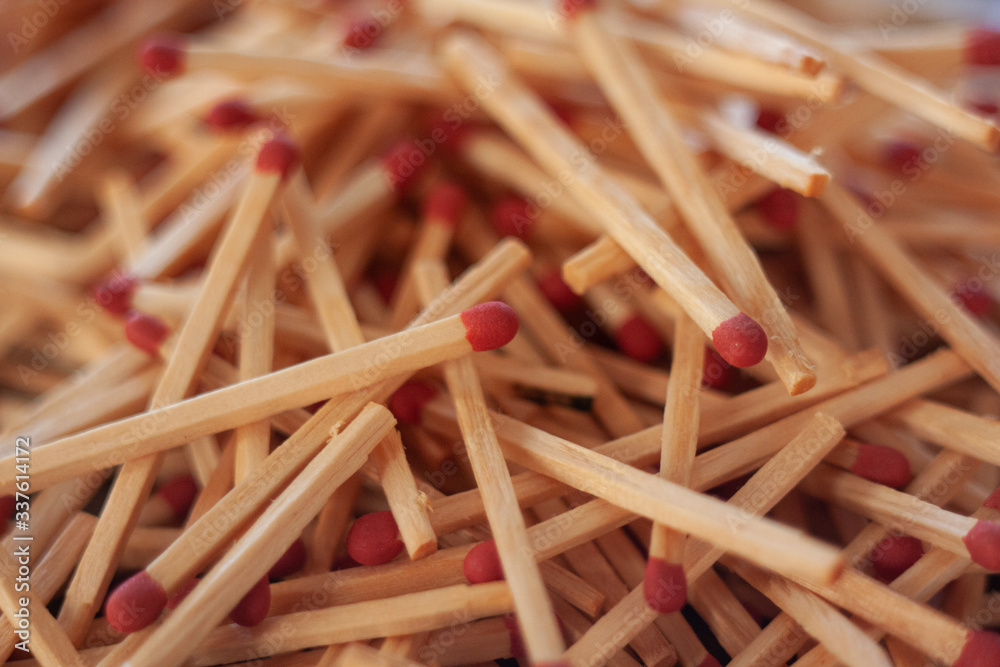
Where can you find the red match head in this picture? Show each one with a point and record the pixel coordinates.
(516, 642)
(895, 555)
(664, 586)
(163, 56)
(362, 33)
(136, 603)
(974, 298)
(882, 465)
(373, 539)
(993, 501)
(482, 563)
(780, 209)
(573, 8)
(771, 120)
(114, 293)
(709, 661)
(408, 402)
(277, 156)
(558, 293)
(146, 332)
(983, 543)
(445, 204)
(7, 504)
(403, 164)
(982, 649)
(740, 341)
(231, 116)
(716, 373)
(290, 562)
(179, 492)
(253, 607)
(900, 155)
(982, 47)
(513, 216)
(637, 338)
(490, 325)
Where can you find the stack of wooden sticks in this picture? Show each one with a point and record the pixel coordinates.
(462, 332)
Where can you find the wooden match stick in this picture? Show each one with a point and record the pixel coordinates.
(534, 609)
(740, 340)
(664, 584)
(123, 214)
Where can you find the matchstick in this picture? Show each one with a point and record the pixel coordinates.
(123, 214)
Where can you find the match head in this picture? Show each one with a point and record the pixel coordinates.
(512, 216)
(983, 543)
(664, 586)
(993, 501)
(179, 492)
(982, 649)
(709, 661)
(231, 116)
(373, 539)
(771, 120)
(558, 293)
(362, 34)
(882, 465)
(976, 301)
(277, 156)
(7, 504)
(114, 293)
(164, 56)
(146, 332)
(982, 47)
(482, 563)
(740, 341)
(716, 373)
(490, 325)
(290, 562)
(516, 642)
(573, 8)
(780, 209)
(136, 603)
(407, 403)
(895, 555)
(637, 339)
(253, 607)
(900, 155)
(445, 204)
(403, 164)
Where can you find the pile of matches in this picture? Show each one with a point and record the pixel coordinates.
(475, 332)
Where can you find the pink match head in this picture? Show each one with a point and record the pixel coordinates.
(490, 325)
(114, 293)
(716, 373)
(163, 56)
(407, 403)
(146, 332)
(175, 600)
(402, 165)
(136, 603)
(664, 586)
(253, 607)
(637, 338)
(740, 341)
(895, 555)
(448, 131)
(290, 562)
(558, 293)
(900, 155)
(179, 492)
(516, 642)
(231, 116)
(573, 8)
(982, 649)
(770, 120)
(445, 204)
(482, 563)
(973, 297)
(277, 156)
(983, 543)
(982, 47)
(709, 661)
(512, 216)
(362, 33)
(993, 501)
(7, 504)
(882, 465)
(780, 209)
(373, 539)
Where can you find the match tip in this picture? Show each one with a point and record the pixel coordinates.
(290, 562)
(973, 297)
(362, 34)
(709, 661)
(573, 8)
(637, 339)
(179, 492)
(741, 341)
(664, 586)
(7, 504)
(900, 155)
(278, 156)
(231, 115)
(882, 465)
(445, 204)
(982, 47)
(895, 555)
(558, 293)
(146, 332)
(490, 325)
(373, 539)
(983, 543)
(407, 403)
(114, 293)
(402, 164)
(253, 607)
(715, 372)
(512, 216)
(993, 501)
(163, 56)
(780, 209)
(516, 642)
(136, 603)
(982, 649)
(482, 563)
(770, 120)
